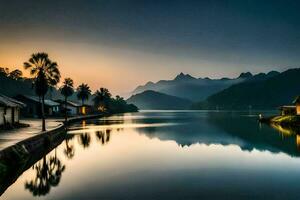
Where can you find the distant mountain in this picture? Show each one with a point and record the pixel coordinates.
(196, 89)
(155, 100)
(258, 92)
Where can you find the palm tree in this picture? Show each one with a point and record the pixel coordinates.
(85, 139)
(67, 90)
(102, 99)
(83, 93)
(69, 151)
(48, 173)
(16, 74)
(4, 71)
(45, 73)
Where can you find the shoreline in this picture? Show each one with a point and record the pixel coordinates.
(290, 121)
(17, 158)
(59, 128)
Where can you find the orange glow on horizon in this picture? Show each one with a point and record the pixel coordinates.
(120, 69)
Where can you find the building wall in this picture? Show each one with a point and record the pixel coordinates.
(84, 110)
(72, 110)
(1, 116)
(17, 114)
(32, 108)
(8, 115)
(55, 109)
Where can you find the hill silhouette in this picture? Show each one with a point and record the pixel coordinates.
(198, 89)
(257, 93)
(155, 100)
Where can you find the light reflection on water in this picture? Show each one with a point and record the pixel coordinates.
(161, 155)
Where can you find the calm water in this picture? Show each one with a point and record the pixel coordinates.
(168, 155)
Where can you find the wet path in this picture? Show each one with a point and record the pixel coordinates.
(10, 137)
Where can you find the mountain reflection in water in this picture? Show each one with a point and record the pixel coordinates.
(225, 128)
(167, 155)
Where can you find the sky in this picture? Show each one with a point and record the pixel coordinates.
(120, 44)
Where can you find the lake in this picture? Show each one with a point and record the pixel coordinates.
(168, 155)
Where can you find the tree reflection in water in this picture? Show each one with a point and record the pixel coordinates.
(103, 137)
(69, 150)
(85, 140)
(48, 174)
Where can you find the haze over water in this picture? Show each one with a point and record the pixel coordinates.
(168, 155)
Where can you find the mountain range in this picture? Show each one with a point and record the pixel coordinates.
(259, 91)
(267, 93)
(155, 100)
(190, 89)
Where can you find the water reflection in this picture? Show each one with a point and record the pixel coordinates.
(48, 173)
(103, 136)
(168, 156)
(225, 128)
(288, 132)
(85, 139)
(69, 150)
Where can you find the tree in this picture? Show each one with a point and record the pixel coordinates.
(4, 71)
(15, 74)
(83, 92)
(67, 90)
(119, 105)
(69, 150)
(102, 99)
(45, 73)
(48, 173)
(85, 140)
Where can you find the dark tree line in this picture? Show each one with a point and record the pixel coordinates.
(45, 76)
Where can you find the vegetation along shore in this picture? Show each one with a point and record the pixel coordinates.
(41, 96)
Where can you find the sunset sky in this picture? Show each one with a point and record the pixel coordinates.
(125, 43)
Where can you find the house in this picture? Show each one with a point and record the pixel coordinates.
(9, 110)
(72, 107)
(291, 109)
(85, 109)
(287, 110)
(75, 108)
(296, 102)
(33, 108)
